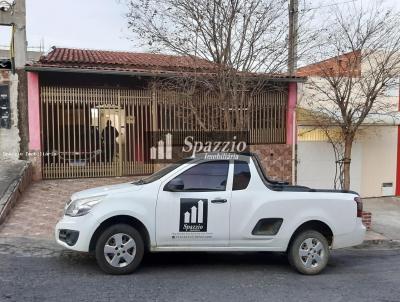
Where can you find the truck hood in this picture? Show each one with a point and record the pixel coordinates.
(105, 190)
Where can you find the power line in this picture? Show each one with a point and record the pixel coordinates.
(329, 5)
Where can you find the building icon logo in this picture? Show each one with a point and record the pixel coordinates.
(193, 215)
(163, 150)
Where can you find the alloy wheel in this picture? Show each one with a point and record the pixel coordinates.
(311, 253)
(120, 250)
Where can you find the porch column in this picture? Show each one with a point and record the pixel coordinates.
(290, 118)
(34, 124)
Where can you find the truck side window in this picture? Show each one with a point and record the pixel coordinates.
(208, 176)
(241, 175)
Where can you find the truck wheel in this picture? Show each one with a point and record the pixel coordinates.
(309, 252)
(119, 249)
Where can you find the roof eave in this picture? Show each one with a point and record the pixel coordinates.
(162, 74)
(95, 71)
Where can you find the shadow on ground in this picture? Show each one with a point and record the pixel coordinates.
(189, 260)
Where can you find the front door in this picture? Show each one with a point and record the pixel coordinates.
(197, 214)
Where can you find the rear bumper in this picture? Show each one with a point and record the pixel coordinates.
(356, 237)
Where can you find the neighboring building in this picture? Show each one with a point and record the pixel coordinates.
(13, 88)
(13, 83)
(12, 100)
(74, 92)
(375, 160)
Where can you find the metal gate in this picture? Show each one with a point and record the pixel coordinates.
(94, 132)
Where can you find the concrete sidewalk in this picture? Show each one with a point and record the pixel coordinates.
(385, 217)
(15, 177)
(42, 205)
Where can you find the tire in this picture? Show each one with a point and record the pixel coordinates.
(119, 249)
(309, 252)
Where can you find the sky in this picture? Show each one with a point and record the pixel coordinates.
(92, 24)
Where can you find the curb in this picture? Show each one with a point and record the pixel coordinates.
(14, 191)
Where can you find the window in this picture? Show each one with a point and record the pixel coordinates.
(160, 173)
(208, 176)
(241, 176)
(392, 88)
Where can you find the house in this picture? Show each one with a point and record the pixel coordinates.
(375, 160)
(74, 94)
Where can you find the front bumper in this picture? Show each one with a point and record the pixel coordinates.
(84, 225)
(356, 237)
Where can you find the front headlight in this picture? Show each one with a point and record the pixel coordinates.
(80, 207)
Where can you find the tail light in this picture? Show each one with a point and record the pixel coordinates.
(359, 206)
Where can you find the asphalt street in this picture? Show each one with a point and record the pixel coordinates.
(40, 274)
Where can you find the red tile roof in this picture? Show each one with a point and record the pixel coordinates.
(100, 59)
(82, 60)
(348, 64)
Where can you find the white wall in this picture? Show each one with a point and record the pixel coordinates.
(379, 162)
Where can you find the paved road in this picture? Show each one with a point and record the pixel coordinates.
(40, 274)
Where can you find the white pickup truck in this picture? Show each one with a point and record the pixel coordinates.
(210, 205)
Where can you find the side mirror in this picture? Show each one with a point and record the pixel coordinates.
(175, 185)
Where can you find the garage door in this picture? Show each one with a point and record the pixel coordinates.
(316, 165)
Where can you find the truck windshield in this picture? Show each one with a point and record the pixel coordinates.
(162, 172)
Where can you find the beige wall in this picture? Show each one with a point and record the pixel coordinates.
(386, 103)
(373, 162)
(379, 159)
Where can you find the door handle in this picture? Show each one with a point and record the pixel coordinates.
(218, 201)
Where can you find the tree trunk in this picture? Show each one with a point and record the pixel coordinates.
(347, 161)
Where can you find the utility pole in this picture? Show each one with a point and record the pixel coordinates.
(293, 35)
(292, 67)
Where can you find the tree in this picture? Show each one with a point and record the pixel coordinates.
(362, 44)
(240, 37)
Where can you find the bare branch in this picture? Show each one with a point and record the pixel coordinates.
(362, 51)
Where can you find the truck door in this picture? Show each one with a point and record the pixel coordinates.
(255, 217)
(196, 211)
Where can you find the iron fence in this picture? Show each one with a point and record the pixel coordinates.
(99, 132)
